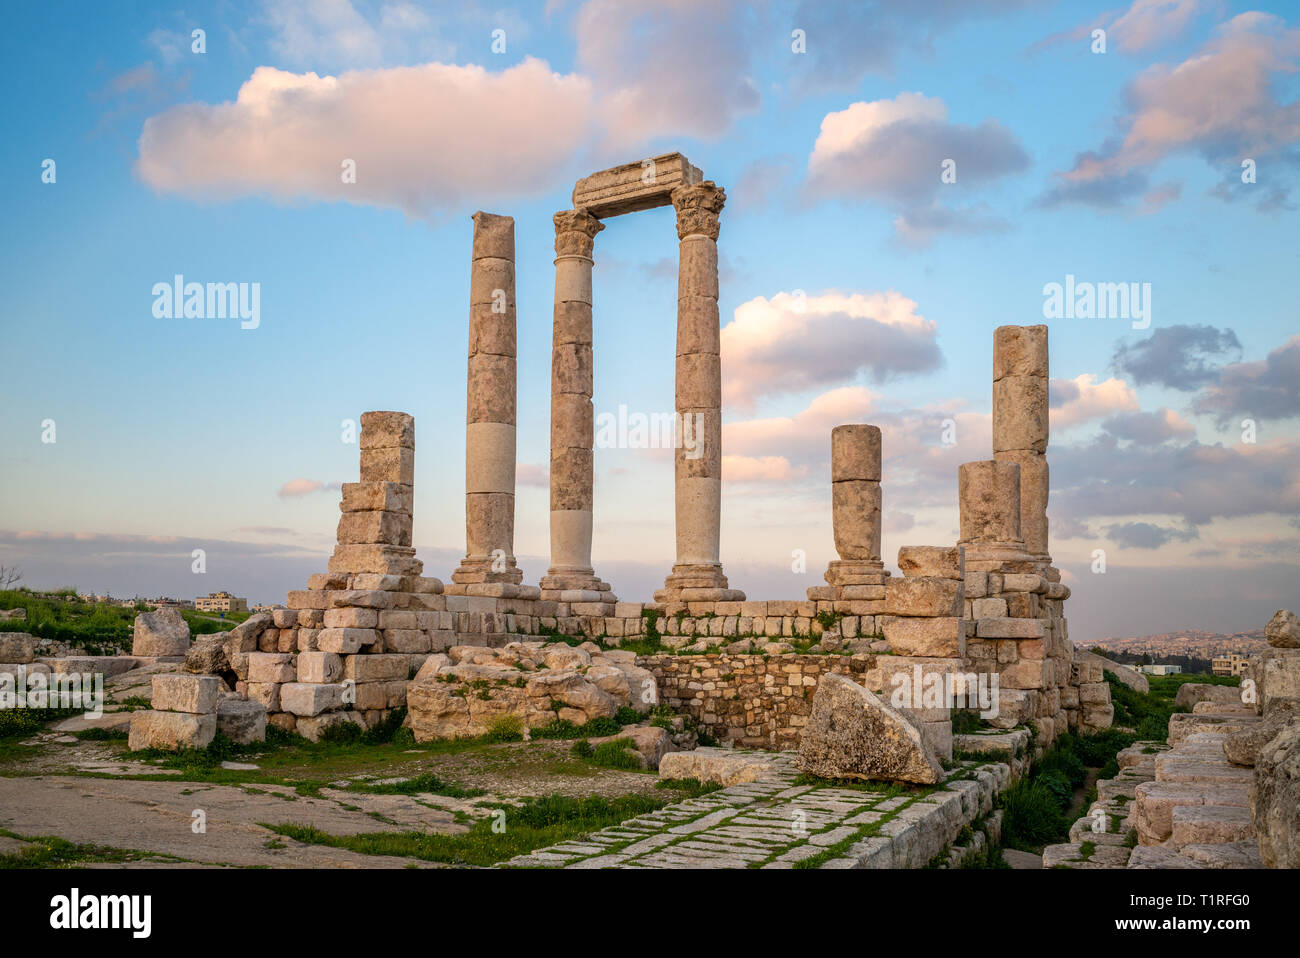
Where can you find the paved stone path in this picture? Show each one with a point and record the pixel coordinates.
(773, 823)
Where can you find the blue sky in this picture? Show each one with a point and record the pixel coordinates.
(175, 434)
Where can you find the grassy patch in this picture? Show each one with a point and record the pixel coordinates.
(428, 783)
(49, 851)
(689, 787)
(508, 832)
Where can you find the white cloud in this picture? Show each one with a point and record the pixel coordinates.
(792, 343)
(425, 139)
(893, 150)
(1083, 399)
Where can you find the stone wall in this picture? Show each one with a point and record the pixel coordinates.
(753, 700)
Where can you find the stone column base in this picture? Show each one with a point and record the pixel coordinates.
(697, 582)
(852, 580)
(1009, 556)
(576, 585)
(478, 570)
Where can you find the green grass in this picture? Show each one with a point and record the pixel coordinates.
(49, 851)
(428, 783)
(689, 787)
(620, 753)
(95, 628)
(536, 823)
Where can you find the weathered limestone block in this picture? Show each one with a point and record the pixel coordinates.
(302, 698)
(163, 633)
(855, 453)
(267, 693)
(384, 430)
(389, 464)
(243, 637)
(365, 528)
(375, 668)
(1010, 629)
(1279, 677)
(171, 730)
(632, 187)
(19, 648)
(207, 656)
(989, 492)
(377, 497)
(1275, 798)
(1243, 747)
(923, 596)
(1130, 677)
(1283, 630)
(271, 667)
(345, 641)
(1020, 413)
(319, 667)
(942, 562)
(186, 693)
(856, 514)
(242, 722)
(935, 636)
(1193, 693)
(723, 766)
(853, 734)
(1020, 351)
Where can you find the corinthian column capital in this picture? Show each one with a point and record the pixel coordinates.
(698, 207)
(575, 232)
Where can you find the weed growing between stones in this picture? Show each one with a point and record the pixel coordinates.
(428, 783)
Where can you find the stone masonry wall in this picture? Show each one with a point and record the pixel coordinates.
(751, 700)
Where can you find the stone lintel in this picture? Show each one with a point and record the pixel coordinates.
(624, 189)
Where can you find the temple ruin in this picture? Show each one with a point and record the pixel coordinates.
(373, 633)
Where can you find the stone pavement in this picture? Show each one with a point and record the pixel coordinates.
(774, 823)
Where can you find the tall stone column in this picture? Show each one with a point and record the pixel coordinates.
(697, 574)
(1020, 423)
(490, 418)
(570, 577)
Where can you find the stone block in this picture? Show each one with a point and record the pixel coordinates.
(271, 667)
(171, 730)
(197, 694)
(308, 699)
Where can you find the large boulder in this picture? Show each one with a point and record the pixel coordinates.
(1243, 747)
(17, 648)
(1192, 693)
(1122, 673)
(1275, 798)
(162, 633)
(207, 656)
(243, 637)
(1283, 630)
(853, 734)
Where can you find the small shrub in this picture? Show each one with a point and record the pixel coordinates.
(505, 728)
(620, 753)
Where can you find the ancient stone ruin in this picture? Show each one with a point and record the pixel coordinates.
(974, 624)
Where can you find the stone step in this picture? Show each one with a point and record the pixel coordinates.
(1183, 724)
(1227, 855)
(1158, 856)
(1156, 801)
(1195, 770)
(1210, 825)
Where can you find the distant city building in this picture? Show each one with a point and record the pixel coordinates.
(1233, 664)
(220, 602)
(1162, 669)
(266, 608)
